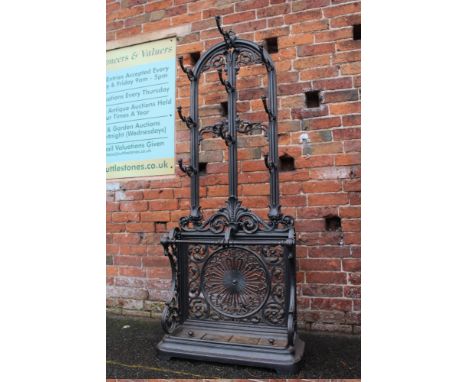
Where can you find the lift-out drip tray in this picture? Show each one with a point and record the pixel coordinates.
(229, 334)
(233, 343)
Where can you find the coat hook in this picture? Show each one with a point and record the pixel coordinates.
(227, 84)
(225, 136)
(229, 37)
(269, 165)
(189, 170)
(187, 71)
(218, 24)
(271, 116)
(187, 120)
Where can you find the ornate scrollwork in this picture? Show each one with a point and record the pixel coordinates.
(219, 129)
(194, 282)
(278, 293)
(274, 313)
(237, 218)
(272, 254)
(224, 274)
(170, 317)
(197, 252)
(235, 282)
(194, 218)
(246, 127)
(171, 313)
(247, 57)
(218, 61)
(198, 308)
(234, 215)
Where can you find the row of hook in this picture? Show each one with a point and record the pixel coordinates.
(229, 39)
(191, 76)
(190, 170)
(192, 124)
(229, 88)
(219, 129)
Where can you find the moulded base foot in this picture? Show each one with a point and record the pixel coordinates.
(240, 345)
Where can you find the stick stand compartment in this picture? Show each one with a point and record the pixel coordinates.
(233, 274)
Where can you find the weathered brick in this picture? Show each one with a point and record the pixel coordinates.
(239, 17)
(128, 32)
(326, 277)
(309, 26)
(156, 25)
(345, 108)
(322, 123)
(273, 10)
(352, 265)
(346, 57)
(351, 68)
(295, 40)
(344, 21)
(308, 4)
(344, 9)
(319, 264)
(251, 4)
(347, 133)
(316, 73)
(300, 17)
(159, 216)
(334, 35)
(331, 304)
(340, 96)
(321, 186)
(328, 199)
(323, 291)
(315, 50)
(163, 205)
(347, 159)
(310, 62)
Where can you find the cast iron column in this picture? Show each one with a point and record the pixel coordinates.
(194, 180)
(232, 124)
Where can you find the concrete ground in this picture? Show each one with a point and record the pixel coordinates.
(131, 353)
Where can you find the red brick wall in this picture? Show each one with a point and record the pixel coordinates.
(316, 52)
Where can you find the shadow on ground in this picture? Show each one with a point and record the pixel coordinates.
(131, 353)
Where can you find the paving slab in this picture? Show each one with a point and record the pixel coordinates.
(131, 354)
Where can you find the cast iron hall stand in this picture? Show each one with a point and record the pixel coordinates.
(233, 274)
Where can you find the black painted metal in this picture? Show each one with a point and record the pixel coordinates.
(233, 274)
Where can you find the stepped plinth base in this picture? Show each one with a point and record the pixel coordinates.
(233, 343)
